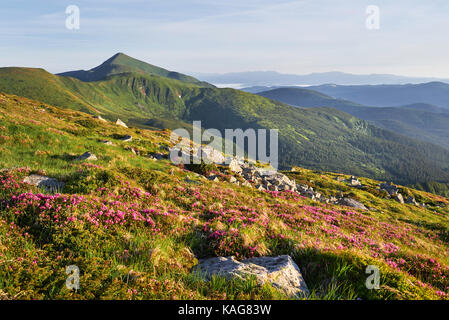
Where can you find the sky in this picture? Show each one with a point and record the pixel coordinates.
(219, 36)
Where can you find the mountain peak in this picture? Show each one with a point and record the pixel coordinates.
(121, 63)
(119, 56)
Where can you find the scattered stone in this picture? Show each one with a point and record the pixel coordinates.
(354, 182)
(390, 188)
(399, 198)
(213, 178)
(121, 123)
(158, 156)
(232, 179)
(260, 187)
(107, 142)
(411, 200)
(100, 118)
(281, 272)
(87, 156)
(47, 183)
(235, 167)
(352, 203)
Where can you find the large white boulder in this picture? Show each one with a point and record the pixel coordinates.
(281, 272)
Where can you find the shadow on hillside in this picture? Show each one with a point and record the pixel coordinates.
(64, 157)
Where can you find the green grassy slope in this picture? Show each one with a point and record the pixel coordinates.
(135, 227)
(314, 138)
(323, 138)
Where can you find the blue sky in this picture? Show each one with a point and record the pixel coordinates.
(231, 35)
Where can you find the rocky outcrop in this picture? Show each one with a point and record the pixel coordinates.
(271, 180)
(47, 183)
(393, 192)
(390, 188)
(281, 272)
(264, 179)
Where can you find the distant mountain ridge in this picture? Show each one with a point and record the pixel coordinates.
(420, 121)
(436, 93)
(273, 78)
(317, 138)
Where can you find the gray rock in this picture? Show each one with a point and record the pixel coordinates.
(352, 203)
(234, 166)
(100, 118)
(213, 178)
(47, 183)
(354, 182)
(399, 198)
(390, 188)
(158, 156)
(121, 123)
(281, 272)
(87, 156)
